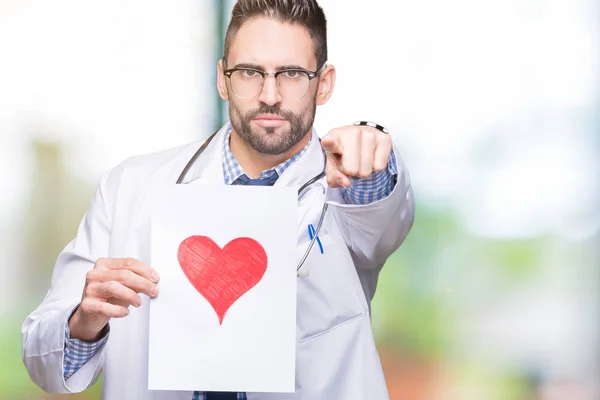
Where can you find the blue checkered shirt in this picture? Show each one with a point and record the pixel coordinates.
(363, 191)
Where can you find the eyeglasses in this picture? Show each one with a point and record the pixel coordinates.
(291, 83)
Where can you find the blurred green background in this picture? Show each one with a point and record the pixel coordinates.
(494, 105)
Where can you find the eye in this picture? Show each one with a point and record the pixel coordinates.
(249, 73)
(292, 74)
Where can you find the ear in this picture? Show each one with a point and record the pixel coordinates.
(222, 81)
(326, 84)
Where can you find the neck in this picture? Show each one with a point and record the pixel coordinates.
(254, 162)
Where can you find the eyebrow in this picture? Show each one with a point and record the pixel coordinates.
(260, 67)
(293, 66)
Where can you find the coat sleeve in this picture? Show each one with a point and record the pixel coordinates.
(43, 331)
(375, 230)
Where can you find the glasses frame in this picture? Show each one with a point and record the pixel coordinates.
(311, 75)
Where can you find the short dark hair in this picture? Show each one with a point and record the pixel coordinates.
(304, 12)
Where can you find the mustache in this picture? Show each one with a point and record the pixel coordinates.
(266, 109)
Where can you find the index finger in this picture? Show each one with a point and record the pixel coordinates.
(135, 266)
(331, 143)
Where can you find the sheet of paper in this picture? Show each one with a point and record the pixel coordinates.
(225, 316)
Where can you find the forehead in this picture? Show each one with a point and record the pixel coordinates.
(270, 43)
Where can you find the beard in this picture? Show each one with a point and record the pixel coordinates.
(269, 141)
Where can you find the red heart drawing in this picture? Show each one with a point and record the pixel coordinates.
(222, 276)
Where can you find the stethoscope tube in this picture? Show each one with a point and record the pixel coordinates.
(194, 158)
(312, 242)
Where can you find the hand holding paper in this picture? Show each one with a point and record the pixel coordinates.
(110, 288)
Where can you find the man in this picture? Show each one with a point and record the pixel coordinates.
(273, 74)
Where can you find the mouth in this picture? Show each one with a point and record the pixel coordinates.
(269, 120)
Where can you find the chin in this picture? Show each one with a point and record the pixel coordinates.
(273, 147)
(270, 130)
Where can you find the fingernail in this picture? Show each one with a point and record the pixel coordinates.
(155, 276)
(344, 183)
(139, 303)
(155, 291)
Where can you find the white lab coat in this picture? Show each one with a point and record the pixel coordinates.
(336, 353)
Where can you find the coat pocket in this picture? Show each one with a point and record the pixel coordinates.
(330, 295)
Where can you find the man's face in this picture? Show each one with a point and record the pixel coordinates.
(269, 123)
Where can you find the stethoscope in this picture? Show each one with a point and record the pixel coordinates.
(314, 236)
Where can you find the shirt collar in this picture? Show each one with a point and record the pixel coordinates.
(232, 170)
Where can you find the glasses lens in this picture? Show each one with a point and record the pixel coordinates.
(293, 84)
(246, 83)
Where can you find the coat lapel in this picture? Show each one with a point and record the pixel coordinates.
(310, 164)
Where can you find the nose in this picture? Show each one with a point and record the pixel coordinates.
(270, 92)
